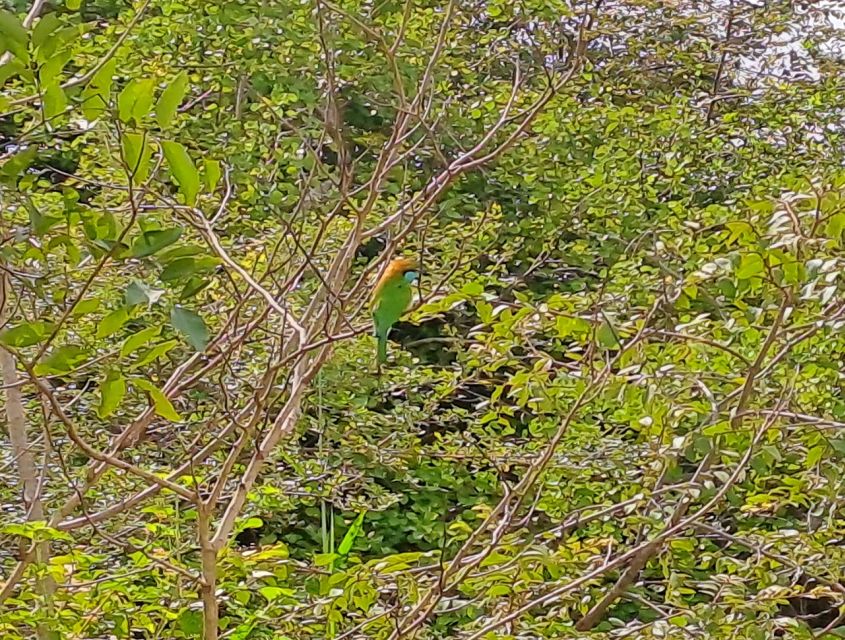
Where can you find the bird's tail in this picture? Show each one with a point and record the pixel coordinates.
(381, 356)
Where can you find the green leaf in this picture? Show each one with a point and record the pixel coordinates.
(135, 100)
(163, 406)
(13, 36)
(112, 390)
(252, 523)
(274, 593)
(191, 326)
(351, 534)
(750, 265)
(61, 360)
(170, 100)
(136, 153)
(95, 97)
(73, 5)
(15, 166)
(190, 623)
(11, 69)
(212, 174)
(183, 170)
(473, 289)
(112, 322)
(155, 353)
(87, 305)
(138, 340)
(838, 444)
(181, 268)
(606, 336)
(139, 293)
(25, 335)
(136, 293)
(178, 269)
(54, 100)
(47, 24)
(193, 287)
(814, 455)
(152, 241)
(49, 71)
(39, 223)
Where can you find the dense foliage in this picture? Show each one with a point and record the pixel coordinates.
(614, 410)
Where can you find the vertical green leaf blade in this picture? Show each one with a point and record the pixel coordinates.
(170, 100)
(136, 153)
(112, 390)
(183, 170)
(212, 174)
(95, 97)
(353, 532)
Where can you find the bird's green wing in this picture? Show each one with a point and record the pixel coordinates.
(389, 307)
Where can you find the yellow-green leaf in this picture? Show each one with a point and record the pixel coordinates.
(136, 153)
(155, 353)
(183, 170)
(814, 455)
(212, 174)
(112, 322)
(138, 340)
(606, 335)
(351, 534)
(750, 265)
(95, 97)
(161, 403)
(47, 24)
(170, 100)
(13, 36)
(54, 100)
(135, 100)
(112, 390)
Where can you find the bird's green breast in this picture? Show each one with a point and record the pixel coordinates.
(394, 298)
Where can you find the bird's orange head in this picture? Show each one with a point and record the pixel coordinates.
(398, 268)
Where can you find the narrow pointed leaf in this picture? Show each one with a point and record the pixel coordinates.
(138, 340)
(54, 100)
(136, 153)
(212, 174)
(351, 534)
(170, 100)
(161, 403)
(183, 170)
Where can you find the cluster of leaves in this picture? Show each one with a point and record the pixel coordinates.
(643, 294)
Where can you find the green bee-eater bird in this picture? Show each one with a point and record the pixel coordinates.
(391, 297)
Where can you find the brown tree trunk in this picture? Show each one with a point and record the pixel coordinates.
(210, 612)
(22, 452)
